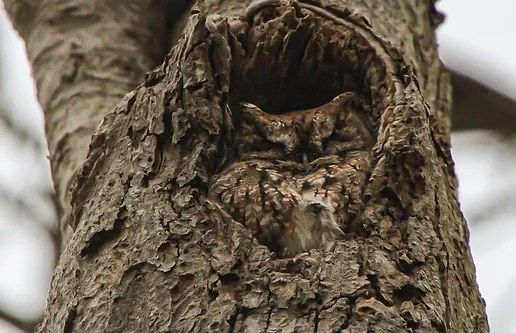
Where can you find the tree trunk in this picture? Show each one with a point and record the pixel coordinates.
(267, 124)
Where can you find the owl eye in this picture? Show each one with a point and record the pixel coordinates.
(316, 207)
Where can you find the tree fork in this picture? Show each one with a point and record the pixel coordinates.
(155, 250)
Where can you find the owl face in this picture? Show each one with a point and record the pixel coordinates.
(295, 179)
(313, 225)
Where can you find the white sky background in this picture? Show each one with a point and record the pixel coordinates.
(26, 252)
(475, 40)
(478, 39)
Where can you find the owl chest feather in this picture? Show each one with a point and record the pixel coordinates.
(268, 198)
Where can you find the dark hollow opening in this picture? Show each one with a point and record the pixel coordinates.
(294, 61)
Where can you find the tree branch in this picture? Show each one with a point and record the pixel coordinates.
(24, 325)
(479, 107)
(86, 55)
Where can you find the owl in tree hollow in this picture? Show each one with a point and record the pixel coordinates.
(295, 179)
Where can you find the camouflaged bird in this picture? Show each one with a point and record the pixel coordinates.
(295, 179)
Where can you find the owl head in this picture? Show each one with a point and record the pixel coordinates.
(312, 225)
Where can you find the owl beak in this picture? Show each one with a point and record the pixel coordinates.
(316, 207)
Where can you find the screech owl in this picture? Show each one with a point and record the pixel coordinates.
(295, 179)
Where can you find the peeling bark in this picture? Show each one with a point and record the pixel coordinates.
(157, 247)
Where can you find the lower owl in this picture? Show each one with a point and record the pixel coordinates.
(288, 209)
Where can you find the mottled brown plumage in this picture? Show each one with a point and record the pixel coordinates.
(312, 224)
(295, 178)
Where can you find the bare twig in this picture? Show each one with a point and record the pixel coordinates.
(24, 325)
(22, 134)
(479, 107)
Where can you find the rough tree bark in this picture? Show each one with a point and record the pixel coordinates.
(186, 188)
